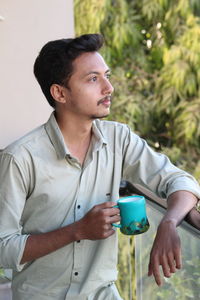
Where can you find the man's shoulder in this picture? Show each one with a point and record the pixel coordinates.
(29, 141)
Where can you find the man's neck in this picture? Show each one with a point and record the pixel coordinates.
(77, 134)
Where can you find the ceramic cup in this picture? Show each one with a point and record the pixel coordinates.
(133, 215)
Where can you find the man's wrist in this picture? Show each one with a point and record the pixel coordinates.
(169, 221)
(76, 231)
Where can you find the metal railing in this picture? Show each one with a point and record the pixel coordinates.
(185, 283)
(190, 223)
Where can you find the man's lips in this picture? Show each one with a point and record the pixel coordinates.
(106, 101)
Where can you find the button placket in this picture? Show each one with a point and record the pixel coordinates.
(77, 260)
(78, 244)
(78, 207)
(79, 211)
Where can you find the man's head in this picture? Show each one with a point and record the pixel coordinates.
(54, 64)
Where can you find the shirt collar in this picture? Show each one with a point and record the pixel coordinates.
(98, 135)
(55, 135)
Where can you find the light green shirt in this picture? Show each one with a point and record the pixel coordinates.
(42, 188)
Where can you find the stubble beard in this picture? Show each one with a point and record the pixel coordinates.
(98, 104)
(99, 117)
(94, 117)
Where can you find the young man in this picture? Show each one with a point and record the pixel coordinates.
(60, 182)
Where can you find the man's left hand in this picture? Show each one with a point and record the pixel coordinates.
(166, 252)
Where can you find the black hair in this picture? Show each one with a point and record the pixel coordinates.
(54, 64)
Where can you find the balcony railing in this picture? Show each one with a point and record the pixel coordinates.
(185, 283)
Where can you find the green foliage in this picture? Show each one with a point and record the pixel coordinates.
(126, 278)
(3, 277)
(1, 273)
(152, 47)
(121, 31)
(89, 14)
(116, 21)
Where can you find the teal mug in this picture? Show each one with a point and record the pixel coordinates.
(133, 215)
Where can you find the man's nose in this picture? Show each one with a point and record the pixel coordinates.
(107, 87)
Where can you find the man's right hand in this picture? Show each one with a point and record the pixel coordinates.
(97, 223)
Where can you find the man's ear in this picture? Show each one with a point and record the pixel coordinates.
(58, 92)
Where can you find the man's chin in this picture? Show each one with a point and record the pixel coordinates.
(99, 116)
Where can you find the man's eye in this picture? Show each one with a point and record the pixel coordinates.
(108, 76)
(94, 78)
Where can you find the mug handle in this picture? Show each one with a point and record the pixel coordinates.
(116, 225)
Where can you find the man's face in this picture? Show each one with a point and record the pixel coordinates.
(89, 89)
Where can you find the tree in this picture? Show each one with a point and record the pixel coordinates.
(153, 48)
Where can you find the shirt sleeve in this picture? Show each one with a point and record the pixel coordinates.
(13, 193)
(154, 171)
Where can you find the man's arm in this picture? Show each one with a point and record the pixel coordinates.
(166, 250)
(155, 173)
(16, 247)
(193, 218)
(96, 224)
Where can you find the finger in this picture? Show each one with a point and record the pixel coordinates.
(155, 271)
(107, 227)
(111, 203)
(108, 204)
(114, 219)
(165, 266)
(157, 276)
(113, 211)
(178, 259)
(108, 233)
(171, 263)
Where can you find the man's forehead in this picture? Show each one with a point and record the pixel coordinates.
(90, 62)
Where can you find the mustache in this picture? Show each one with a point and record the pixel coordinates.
(108, 97)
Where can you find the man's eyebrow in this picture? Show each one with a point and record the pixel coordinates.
(95, 72)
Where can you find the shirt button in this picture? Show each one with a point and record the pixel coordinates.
(78, 206)
(76, 273)
(78, 241)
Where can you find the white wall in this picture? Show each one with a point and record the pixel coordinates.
(26, 27)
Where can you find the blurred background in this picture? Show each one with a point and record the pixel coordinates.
(25, 26)
(153, 49)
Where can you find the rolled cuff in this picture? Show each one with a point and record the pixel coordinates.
(184, 184)
(12, 250)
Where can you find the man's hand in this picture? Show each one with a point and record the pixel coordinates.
(166, 252)
(97, 223)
